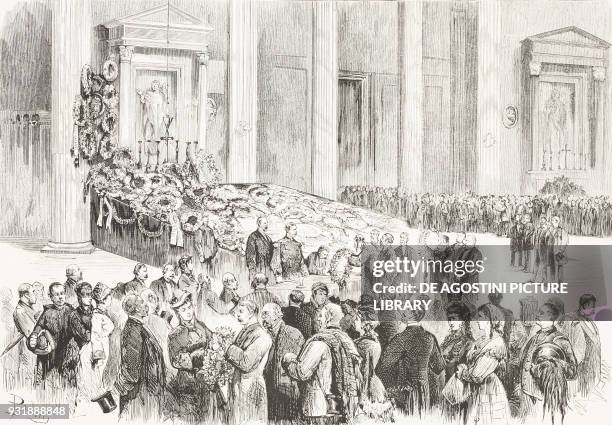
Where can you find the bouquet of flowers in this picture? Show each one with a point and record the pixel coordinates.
(215, 369)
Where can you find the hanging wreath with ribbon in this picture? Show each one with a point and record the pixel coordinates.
(95, 118)
(122, 220)
(148, 233)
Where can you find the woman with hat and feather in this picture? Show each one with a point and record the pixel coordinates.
(193, 400)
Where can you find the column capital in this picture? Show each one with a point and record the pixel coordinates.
(126, 53)
(599, 73)
(203, 57)
(535, 68)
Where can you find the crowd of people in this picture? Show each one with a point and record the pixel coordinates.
(470, 212)
(320, 361)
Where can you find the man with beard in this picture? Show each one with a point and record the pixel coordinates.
(165, 287)
(259, 251)
(136, 285)
(283, 394)
(249, 355)
(142, 376)
(547, 363)
(318, 300)
(193, 400)
(51, 337)
(328, 368)
(228, 299)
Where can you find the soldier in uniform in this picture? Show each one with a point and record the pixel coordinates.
(288, 258)
(192, 399)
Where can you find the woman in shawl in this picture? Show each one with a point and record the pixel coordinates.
(488, 403)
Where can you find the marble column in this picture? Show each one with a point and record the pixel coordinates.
(325, 100)
(410, 150)
(126, 121)
(242, 159)
(203, 59)
(489, 131)
(71, 49)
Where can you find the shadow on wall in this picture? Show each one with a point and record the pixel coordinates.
(25, 57)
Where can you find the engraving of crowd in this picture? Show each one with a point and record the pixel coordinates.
(321, 361)
(470, 212)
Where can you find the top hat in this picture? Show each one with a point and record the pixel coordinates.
(45, 343)
(106, 402)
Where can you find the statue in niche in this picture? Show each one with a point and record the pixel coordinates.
(555, 113)
(155, 110)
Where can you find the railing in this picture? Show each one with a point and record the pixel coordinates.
(25, 158)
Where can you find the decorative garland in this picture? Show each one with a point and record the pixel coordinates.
(150, 234)
(336, 277)
(121, 220)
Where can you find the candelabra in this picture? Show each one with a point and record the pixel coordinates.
(139, 154)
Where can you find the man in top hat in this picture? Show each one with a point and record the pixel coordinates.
(142, 376)
(259, 251)
(137, 285)
(194, 399)
(249, 355)
(288, 259)
(74, 275)
(283, 394)
(165, 287)
(51, 337)
(318, 299)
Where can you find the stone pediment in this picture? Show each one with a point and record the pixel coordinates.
(570, 35)
(159, 15)
(162, 26)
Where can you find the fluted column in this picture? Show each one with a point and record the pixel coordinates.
(71, 47)
(242, 160)
(325, 100)
(490, 163)
(203, 59)
(126, 121)
(410, 152)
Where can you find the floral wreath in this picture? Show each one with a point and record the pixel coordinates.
(191, 221)
(121, 220)
(164, 201)
(148, 233)
(337, 276)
